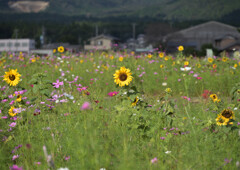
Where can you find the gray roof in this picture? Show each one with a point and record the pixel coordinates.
(211, 29)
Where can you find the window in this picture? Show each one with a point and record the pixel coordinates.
(9, 44)
(99, 43)
(24, 44)
(17, 44)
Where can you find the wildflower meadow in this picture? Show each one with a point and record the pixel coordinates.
(119, 110)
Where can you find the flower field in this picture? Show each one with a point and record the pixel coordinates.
(119, 110)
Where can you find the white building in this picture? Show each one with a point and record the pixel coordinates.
(17, 45)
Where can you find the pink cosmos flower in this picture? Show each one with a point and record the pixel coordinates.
(67, 158)
(111, 94)
(57, 84)
(85, 106)
(15, 167)
(13, 124)
(12, 102)
(15, 157)
(154, 160)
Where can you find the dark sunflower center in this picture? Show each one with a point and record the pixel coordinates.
(227, 114)
(123, 77)
(12, 77)
(214, 97)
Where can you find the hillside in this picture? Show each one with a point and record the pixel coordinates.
(163, 9)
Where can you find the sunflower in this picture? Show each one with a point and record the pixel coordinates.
(135, 102)
(54, 50)
(149, 55)
(166, 58)
(180, 48)
(120, 59)
(210, 60)
(123, 76)
(12, 77)
(11, 112)
(61, 49)
(224, 59)
(225, 118)
(220, 121)
(214, 66)
(19, 98)
(161, 54)
(214, 98)
(198, 65)
(227, 114)
(186, 63)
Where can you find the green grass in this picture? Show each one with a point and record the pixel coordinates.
(112, 134)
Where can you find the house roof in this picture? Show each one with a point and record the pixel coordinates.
(212, 27)
(206, 24)
(225, 36)
(104, 36)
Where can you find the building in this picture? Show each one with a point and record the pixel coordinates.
(16, 45)
(67, 46)
(218, 34)
(101, 42)
(139, 44)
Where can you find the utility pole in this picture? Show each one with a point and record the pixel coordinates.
(134, 30)
(96, 29)
(16, 33)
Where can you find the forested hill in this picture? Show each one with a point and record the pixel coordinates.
(163, 9)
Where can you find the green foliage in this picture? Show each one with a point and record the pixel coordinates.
(40, 84)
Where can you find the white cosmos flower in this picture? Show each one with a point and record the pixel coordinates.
(167, 152)
(185, 69)
(164, 84)
(63, 169)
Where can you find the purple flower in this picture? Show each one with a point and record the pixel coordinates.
(4, 100)
(163, 138)
(85, 106)
(154, 160)
(15, 167)
(111, 94)
(227, 161)
(67, 158)
(15, 157)
(13, 124)
(57, 84)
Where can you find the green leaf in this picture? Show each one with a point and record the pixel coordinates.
(33, 81)
(33, 99)
(35, 88)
